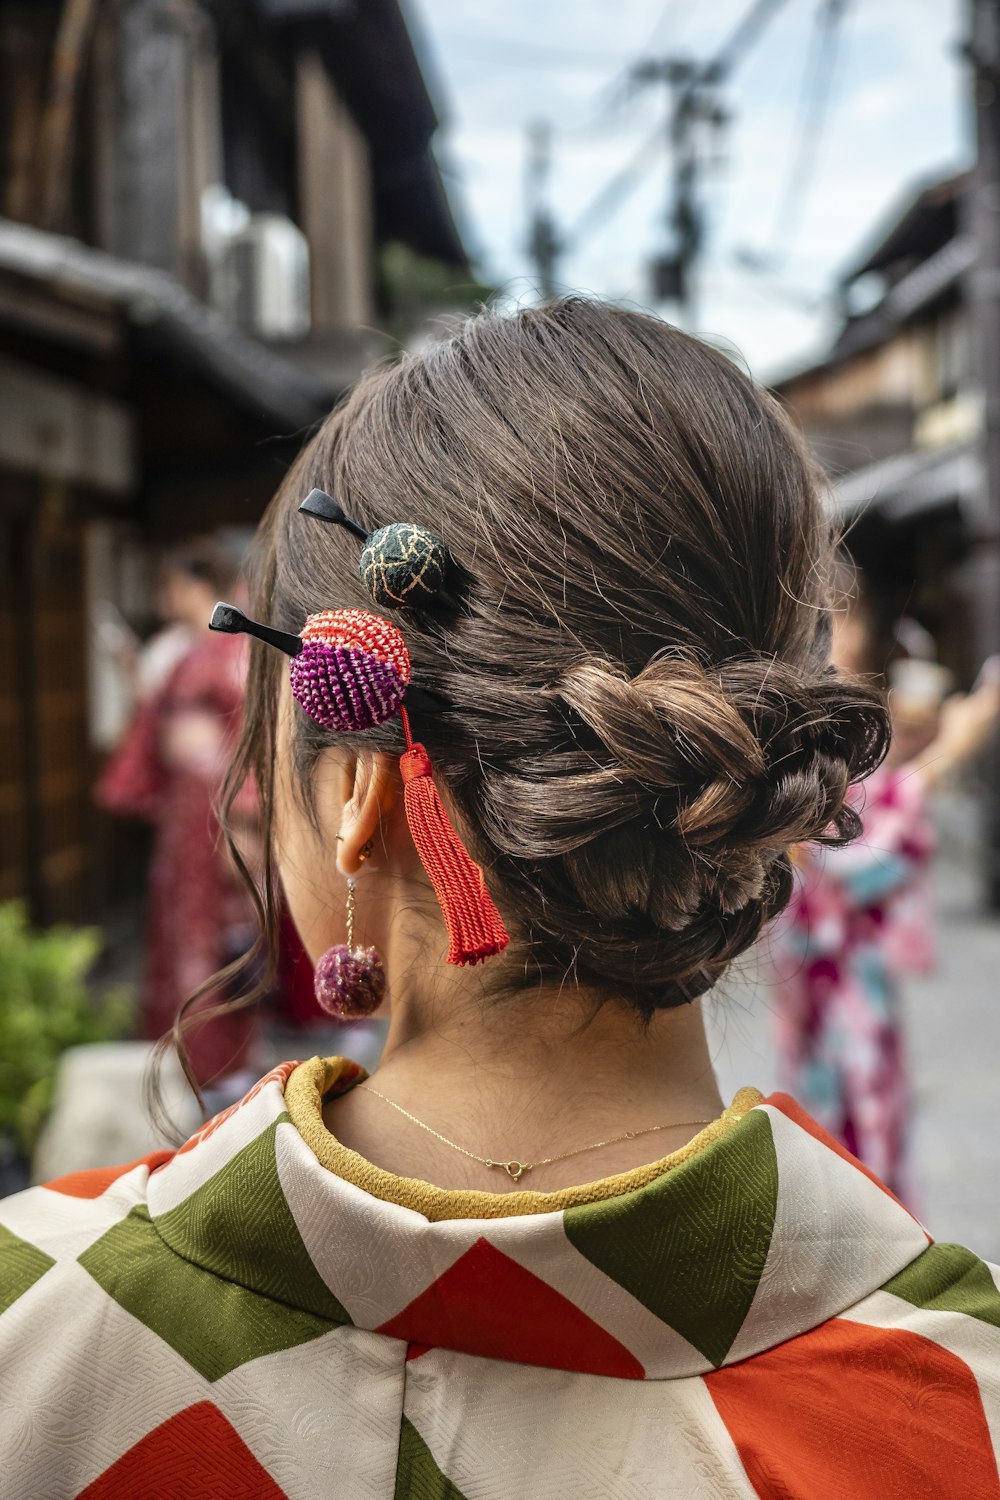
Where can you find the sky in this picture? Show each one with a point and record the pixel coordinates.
(895, 116)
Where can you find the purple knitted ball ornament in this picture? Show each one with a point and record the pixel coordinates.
(350, 982)
(343, 689)
(353, 669)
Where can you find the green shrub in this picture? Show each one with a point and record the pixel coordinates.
(46, 1005)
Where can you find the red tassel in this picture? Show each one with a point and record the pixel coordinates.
(475, 927)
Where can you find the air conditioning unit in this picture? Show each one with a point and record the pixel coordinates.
(260, 278)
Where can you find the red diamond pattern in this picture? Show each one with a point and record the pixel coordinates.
(195, 1455)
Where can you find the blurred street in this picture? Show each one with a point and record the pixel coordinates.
(953, 1019)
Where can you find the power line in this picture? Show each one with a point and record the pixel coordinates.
(692, 107)
(761, 274)
(720, 65)
(616, 189)
(741, 39)
(695, 117)
(622, 85)
(515, 54)
(816, 92)
(670, 12)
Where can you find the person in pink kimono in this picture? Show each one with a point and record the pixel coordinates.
(860, 921)
(169, 770)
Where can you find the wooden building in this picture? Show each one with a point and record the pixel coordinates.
(895, 414)
(171, 173)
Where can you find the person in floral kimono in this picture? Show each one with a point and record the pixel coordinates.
(169, 770)
(540, 704)
(860, 920)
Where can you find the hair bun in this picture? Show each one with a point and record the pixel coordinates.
(734, 764)
(666, 726)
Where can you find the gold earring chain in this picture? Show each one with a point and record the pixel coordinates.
(350, 911)
(363, 854)
(516, 1169)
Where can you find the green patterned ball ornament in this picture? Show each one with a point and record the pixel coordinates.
(403, 565)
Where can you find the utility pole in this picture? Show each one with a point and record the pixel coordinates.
(543, 241)
(693, 109)
(983, 214)
(694, 118)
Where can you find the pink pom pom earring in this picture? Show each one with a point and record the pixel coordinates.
(350, 981)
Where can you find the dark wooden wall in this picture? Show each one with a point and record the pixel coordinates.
(46, 765)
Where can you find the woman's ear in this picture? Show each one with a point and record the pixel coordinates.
(368, 795)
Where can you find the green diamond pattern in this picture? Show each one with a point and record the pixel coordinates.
(22, 1265)
(417, 1475)
(263, 1249)
(213, 1323)
(692, 1245)
(199, 1277)
(948, 1278)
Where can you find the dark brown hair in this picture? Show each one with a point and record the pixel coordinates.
(639, 716)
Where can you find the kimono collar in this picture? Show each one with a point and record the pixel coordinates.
(767, 1230)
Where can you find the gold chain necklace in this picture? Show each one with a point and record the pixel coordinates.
(516, 1169)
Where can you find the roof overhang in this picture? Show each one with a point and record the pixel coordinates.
(912, 483)
(927, 212)
(162, 313)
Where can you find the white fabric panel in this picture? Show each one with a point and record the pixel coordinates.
(64, 1226)
(72, 1404)
(72, 1400)
(375, 1257)
(322, 1418)
(849, 1235)
(506, 1432)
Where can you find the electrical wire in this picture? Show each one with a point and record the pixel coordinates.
(515, 54)
(741, 39)
(810, 302)
(814, 101)
(668, 15)
(616, 189)
(621, 87)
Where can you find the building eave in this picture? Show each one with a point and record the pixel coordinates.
(895, 235)
(153, 302)
(912, 295)
(912, 483)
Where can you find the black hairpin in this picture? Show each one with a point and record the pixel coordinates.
(232, 621)
(319, 503)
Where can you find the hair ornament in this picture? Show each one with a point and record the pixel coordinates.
(350, 671)
(403, 566)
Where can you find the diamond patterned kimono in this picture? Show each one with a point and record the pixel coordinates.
(263, 1314)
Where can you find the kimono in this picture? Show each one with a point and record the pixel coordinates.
(169, 770)
(265, 1314)
(859, 920)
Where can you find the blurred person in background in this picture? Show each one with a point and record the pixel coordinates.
(534, 1254)
(157, 657)
(861, 918)
(169, 769)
